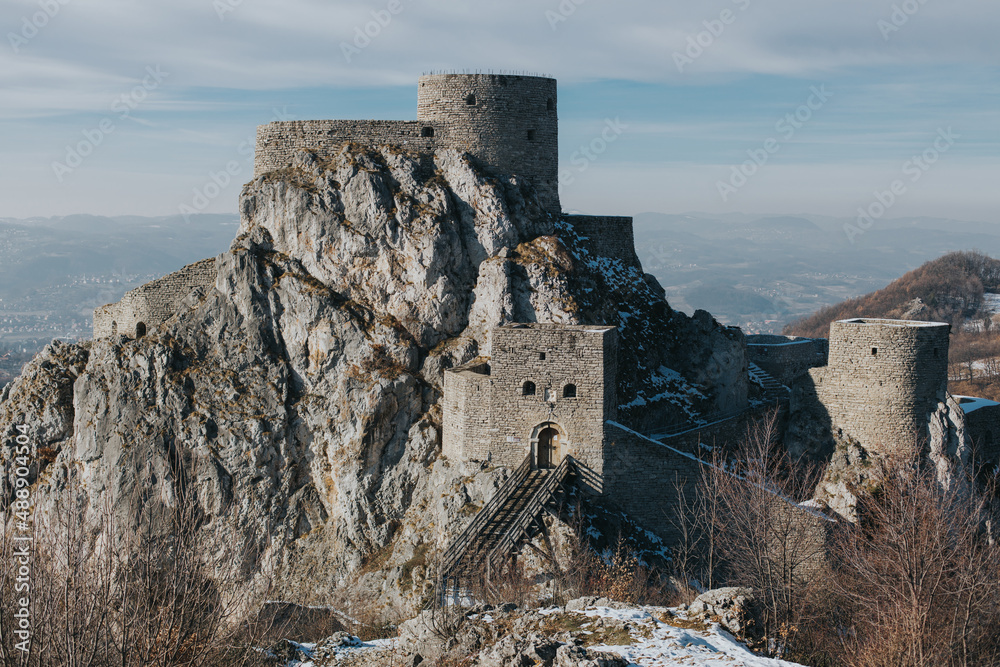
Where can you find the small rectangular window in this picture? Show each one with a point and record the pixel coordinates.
(542, 356)
(531, 135)
(874, 351)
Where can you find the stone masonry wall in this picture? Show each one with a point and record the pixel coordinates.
(983, 426)
(883, 379)
(786, 358)
(277, 143)
(607, 236)
(639, 476)
(642, 476)
(468, 415)
(508, 123)
(489, 417)
(152, 303)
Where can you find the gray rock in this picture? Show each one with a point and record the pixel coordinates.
(734, 606)
(534, 649)
(298, 398)
(577, 656)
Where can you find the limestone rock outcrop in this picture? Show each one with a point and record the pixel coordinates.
(296, 400)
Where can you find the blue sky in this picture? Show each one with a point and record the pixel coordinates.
(164, 95)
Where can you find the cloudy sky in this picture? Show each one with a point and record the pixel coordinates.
(119, 107)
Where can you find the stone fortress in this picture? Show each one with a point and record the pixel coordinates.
(507, 123)
(878, 382)
(883, 379)
(548, 390)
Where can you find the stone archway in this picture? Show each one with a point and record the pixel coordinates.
(549, 443)
(140, 330)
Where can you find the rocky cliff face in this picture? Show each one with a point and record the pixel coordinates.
(297, 400)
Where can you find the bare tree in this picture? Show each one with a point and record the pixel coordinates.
(760, 536)
(105, 593)
(920, 574)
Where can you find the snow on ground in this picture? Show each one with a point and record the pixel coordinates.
(655, 641)
(356, 648)
(669, 645)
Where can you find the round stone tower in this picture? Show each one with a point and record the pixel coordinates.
(884, 379)
(509, 123)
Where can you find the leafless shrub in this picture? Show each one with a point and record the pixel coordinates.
(747, 530)
(920, 575)
(105, 593)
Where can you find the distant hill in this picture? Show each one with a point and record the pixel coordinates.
(764, 272)
(948, 289)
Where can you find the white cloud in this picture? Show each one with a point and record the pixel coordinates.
(92, 51)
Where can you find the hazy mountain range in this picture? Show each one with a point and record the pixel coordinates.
(757, 272)
(762, 272)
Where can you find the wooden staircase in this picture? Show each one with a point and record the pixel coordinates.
(498, 530)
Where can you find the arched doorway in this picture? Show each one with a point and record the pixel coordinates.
(549, 444)
(140, 329)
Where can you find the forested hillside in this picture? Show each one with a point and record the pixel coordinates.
(949, 289)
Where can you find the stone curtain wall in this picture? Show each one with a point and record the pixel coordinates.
(607, 236)
(642, 476)
(883, 379)
(152, 303)
(278, 143)
(787, 358)
(639, 476)
(510, 127)
(726, 433)
(488, 417)
(983, 426)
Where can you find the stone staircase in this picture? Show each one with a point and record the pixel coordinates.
(498, 530)
(773, 390)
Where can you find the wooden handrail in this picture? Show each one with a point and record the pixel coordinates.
(453, 554)
(527, 514)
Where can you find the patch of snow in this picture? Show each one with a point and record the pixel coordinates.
(670, 645)
(972, 403)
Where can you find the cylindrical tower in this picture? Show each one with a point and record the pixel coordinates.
(884, 379)
(509, 123)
